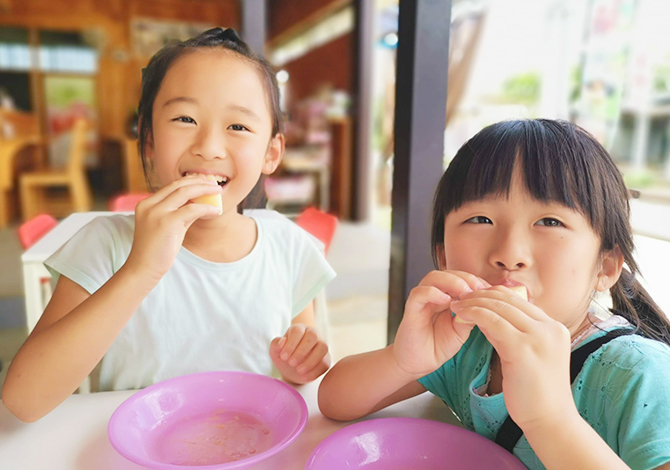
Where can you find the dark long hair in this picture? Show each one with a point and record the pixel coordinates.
(562, 163)
(154, 73)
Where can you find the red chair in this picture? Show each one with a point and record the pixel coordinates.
(126, 202)
(320, 224)
(34, 229)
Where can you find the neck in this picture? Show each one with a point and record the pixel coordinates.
(227, 238)
(582, 326)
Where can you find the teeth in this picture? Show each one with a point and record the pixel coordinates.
(216, 178)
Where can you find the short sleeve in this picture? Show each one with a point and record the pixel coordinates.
(311, 271)
(644, 423)
(92, 256)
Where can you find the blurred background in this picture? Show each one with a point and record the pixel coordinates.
(603, 64)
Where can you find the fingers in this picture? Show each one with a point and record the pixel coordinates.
(510, 297)
(182, 195)
(192, 212)
(454, 283)
(302, 350)
(499, 313)
(165, 191)
(421, 296)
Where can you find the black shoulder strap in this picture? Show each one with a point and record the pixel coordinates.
(509, 433)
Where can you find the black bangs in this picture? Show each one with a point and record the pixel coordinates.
(559, 162)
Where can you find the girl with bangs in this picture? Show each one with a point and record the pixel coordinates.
(530, 221)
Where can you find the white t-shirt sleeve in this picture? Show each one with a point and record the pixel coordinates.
(311, 271)
(92, 256)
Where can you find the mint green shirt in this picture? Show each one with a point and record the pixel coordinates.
(202, 315)
(623, 392)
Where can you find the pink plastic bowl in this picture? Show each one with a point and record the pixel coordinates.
(409, 444)
(206, 421)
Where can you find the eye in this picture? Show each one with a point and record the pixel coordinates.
(184, 119)
(237, 127)
(549, 222)
(479, 219)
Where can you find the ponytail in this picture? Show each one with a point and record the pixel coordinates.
(633, 302)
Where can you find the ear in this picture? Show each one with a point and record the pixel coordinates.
(611, 265)
(441, 259)
(274, 154)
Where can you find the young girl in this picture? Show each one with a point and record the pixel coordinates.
(183, 287)
(537, 204)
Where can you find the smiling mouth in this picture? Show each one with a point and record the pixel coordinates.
(220, 180)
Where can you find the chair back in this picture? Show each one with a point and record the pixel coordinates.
(34, 229)
(77, 152)
(318, 223)
(126, 202)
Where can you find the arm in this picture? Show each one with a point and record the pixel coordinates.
(427, 338)
(362, 384)
(77, 329)
(300, 355)
(587, 450)
(69, 340)
(534, 352)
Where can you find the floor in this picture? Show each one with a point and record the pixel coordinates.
(356, 299)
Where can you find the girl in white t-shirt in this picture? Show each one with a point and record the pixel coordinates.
(184, 286)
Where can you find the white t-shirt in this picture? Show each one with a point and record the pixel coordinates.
(202, 316)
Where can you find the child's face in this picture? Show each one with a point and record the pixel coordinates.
(211, 116)
(547, 247)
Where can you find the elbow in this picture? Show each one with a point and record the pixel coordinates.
(328, 405)
(17, 404)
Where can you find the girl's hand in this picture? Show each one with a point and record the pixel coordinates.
(534, 352)
(428, 336)
(300, 355)
(161, 222)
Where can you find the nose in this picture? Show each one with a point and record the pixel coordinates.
(209, 143)
(511, 251)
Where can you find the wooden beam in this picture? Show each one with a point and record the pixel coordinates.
(254, 28)
(362, 108)
(420, 117)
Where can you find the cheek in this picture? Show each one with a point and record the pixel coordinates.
(459, 254)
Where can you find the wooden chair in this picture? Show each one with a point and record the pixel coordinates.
(73, 177)
(23, 137)
(126, 202)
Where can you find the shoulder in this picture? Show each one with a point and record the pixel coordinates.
(280, 228)
(633, 351)
(626, 364)
(117, 224)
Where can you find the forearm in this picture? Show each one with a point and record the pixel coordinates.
(357, 385)
(572, 443)
(54, 361)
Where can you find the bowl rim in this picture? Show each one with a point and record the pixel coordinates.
(271, 381)
(373, 423)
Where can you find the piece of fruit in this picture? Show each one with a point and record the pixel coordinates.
(521, 291)
(215, 200)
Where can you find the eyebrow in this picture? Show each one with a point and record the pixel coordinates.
(244, 110)
(232, 107)
(180, 99)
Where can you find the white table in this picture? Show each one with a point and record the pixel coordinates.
(33, 261)
(74, 435)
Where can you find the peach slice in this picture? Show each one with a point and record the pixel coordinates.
(521, 291)
(215, 200)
